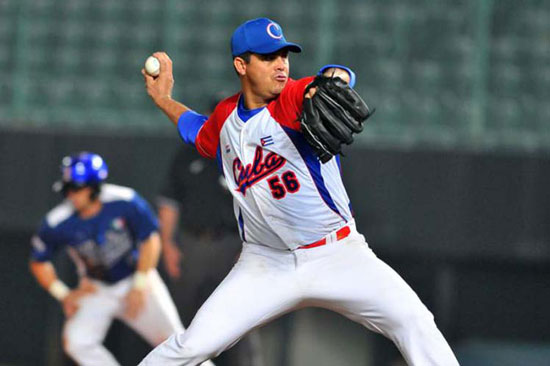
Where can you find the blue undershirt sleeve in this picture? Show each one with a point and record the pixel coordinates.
(350, 72)
(189, 124)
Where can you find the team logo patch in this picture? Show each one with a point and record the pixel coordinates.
(267, 140)
(274, 31)
(118, 223)
(261, 167)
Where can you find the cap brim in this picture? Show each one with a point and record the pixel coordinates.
(292, 47)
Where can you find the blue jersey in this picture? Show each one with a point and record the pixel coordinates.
(107, 244)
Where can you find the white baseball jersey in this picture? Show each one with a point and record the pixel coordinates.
(272, 172)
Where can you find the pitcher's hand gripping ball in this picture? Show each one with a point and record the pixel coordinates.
(152, 66)
(331, 117)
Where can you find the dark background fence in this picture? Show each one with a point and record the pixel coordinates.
(467, 230)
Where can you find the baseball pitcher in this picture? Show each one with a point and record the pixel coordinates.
(278, 142)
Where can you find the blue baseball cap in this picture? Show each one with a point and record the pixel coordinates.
(261, 35)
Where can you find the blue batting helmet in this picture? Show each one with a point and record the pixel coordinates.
(82, 169)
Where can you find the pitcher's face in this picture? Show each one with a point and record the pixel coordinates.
(268, 74)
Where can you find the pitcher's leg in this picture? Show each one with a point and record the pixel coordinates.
(366, 290)
(256, 290)
(399, 314)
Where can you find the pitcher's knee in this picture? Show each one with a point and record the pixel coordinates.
(197, 355)
(418, 327)
(75, 347)
(412, 318)
(422, 322)
(198, 352)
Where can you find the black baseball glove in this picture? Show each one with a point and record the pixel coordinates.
(331, 117)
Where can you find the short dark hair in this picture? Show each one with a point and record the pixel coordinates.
(245, 56)
(96, 189)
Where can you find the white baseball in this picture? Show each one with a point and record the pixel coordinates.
(152, 66)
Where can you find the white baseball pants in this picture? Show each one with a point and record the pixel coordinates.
(83, 334)
(344, 276)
